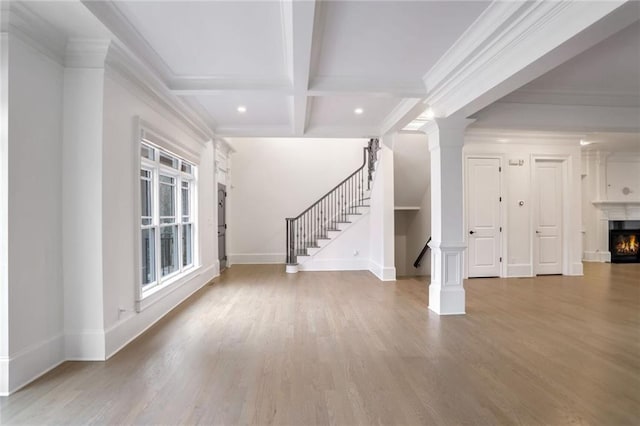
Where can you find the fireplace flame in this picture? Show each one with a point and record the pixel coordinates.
(627, 245)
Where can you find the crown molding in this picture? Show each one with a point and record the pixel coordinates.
(122, 64)
(559, 118)
(574, 97)
(115, 21)
(17, 19)
(511, 43)
(224, 145)
(511, 137)
(401, 115)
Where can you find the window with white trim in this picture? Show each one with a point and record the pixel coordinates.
(167, 220)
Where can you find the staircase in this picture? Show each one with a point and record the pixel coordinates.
(332, 214)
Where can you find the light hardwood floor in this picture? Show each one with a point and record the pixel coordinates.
(264, 347)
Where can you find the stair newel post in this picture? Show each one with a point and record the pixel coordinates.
(289, 227)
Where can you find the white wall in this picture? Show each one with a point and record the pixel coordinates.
(4, 225)
(517, 186)
(382, 220)
(412, 173)
(68, 210)
(122, 105)
(623, 171)
(34, 270)
(411, 168)
(402, 255)
(273, 179)
(348, 252)
(418, 232)
(606, 171)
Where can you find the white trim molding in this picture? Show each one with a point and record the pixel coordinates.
(512, 43)
(26, 365)
(619, 210)
(383, 273)
(611, 210)
(446, 291)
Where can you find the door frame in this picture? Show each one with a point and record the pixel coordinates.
(566, 166)
(503, 250)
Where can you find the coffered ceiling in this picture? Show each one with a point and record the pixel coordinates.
(361, 68)
(298, 68)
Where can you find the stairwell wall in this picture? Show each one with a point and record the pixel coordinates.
(382, 220)
(275, 178)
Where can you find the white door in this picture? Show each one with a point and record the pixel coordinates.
(483, 216)
(547, 217)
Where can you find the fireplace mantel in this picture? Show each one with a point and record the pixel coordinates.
(619, 210)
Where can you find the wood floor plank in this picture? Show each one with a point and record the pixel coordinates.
(263, 347)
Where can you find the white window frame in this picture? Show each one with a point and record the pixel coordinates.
(157, 169)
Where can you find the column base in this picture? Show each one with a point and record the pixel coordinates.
(446, 301)
(292, 269)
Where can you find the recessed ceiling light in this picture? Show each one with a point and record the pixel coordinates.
(503, 140)
(242, 109)
(358, 111)
(429, 114)
(584, 143)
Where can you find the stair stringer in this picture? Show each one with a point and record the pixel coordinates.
(338, 253)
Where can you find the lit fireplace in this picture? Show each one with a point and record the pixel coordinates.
(624, 245)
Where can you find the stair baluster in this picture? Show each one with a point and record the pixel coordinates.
(304, 230)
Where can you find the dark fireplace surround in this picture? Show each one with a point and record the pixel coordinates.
(624, 241)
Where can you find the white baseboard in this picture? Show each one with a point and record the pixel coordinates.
(257, 258)
(27, 365)
(597, 256)
(128, 329)
(519, 270)
(4, 376)
(576, 269)
(334, 265)
(32, 362)
(383, 273)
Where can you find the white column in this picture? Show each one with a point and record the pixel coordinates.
(601, 195)
(446, 291)
(82, 199)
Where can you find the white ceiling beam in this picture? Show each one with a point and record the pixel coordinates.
(145, 60)
(401, 115)
(357, 86)
(193, 86)
(548, 117)
(323, 131)
(512, 43)
(298, 24)
(254, 131)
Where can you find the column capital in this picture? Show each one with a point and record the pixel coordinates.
(86, 53)
(446, 131)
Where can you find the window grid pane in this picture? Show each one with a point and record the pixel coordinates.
(148, 256)
(167, 225)
(168, 249)
(187, 244)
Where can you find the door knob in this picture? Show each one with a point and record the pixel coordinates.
(472, 232)
(537, 232)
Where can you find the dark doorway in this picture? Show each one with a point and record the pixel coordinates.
(222, 225)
